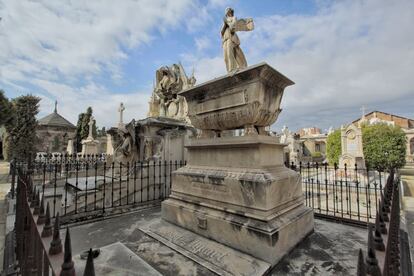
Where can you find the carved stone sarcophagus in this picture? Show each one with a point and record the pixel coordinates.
(248, 99)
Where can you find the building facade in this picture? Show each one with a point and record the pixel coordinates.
(351, 136)
(313, 144)
(53, 132)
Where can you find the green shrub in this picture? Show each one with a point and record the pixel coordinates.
(333, 147)
(384, 146)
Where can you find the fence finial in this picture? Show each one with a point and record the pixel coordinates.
(32, 196)
(371, 260)
(378, 241)
(68, 267)
(380, 218)
(41, 218)
(361, 270)
(56, 243)
(36, 204)
(89, 268)
(385, 209)
(47, 229)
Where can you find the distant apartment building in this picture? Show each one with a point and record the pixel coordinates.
(313, 144)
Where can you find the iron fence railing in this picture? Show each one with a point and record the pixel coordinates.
(349, 194)
(81, 188)
(383, 252)
(39, 246)
(85, 188)
(50, 194)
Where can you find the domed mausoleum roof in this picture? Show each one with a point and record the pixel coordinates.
(56, 120)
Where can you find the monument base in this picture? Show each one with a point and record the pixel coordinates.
(215, 256)
(249, 200)
(90, 146)
(268, 241)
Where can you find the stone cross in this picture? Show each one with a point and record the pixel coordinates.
(91, 122)
(363, 111)
(121, 111)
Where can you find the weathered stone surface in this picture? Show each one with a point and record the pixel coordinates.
(237, 191)
(117, 259)
(216, 257)
(331, 250)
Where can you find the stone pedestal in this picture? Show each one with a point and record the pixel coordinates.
(69, 149)
(236, 189)
(90, 146)
(163, 138)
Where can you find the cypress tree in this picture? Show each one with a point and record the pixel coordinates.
(23, 137)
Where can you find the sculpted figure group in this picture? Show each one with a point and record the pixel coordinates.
(169, 81)
(165, 101)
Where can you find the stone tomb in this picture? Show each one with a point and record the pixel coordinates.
(236, 190)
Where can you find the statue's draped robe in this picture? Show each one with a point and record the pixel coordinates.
(233, 55)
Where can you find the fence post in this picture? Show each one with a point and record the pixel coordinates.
(13, 174)
(361, 269)
(371, 260)
(47, 228)
(56, 243)
(89, 268)
(68, 267)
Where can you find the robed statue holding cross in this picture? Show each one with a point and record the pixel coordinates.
(233, 55)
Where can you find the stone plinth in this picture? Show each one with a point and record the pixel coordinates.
(236, 190)
(90, 146)
(163, 138)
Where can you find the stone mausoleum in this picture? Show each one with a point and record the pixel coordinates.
(351, 136)
(54, 132)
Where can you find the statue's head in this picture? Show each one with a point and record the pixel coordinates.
(229, 11)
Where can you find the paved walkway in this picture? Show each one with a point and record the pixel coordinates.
(4, 189)
(331, 250)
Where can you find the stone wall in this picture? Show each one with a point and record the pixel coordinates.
(53, 139)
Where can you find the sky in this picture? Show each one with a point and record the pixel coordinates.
(342, 55)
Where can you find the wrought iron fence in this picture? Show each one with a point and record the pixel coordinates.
(83, 188)
(383, 252)
(39, 247)
(52, 193)
(348, 194)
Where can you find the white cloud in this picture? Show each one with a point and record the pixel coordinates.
(348, 54)
(202, 43)
(78, 38)
(105, 104)
(60, 48)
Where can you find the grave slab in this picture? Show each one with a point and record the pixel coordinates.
(117, 259)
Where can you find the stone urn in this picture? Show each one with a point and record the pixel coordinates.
(249, 99)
